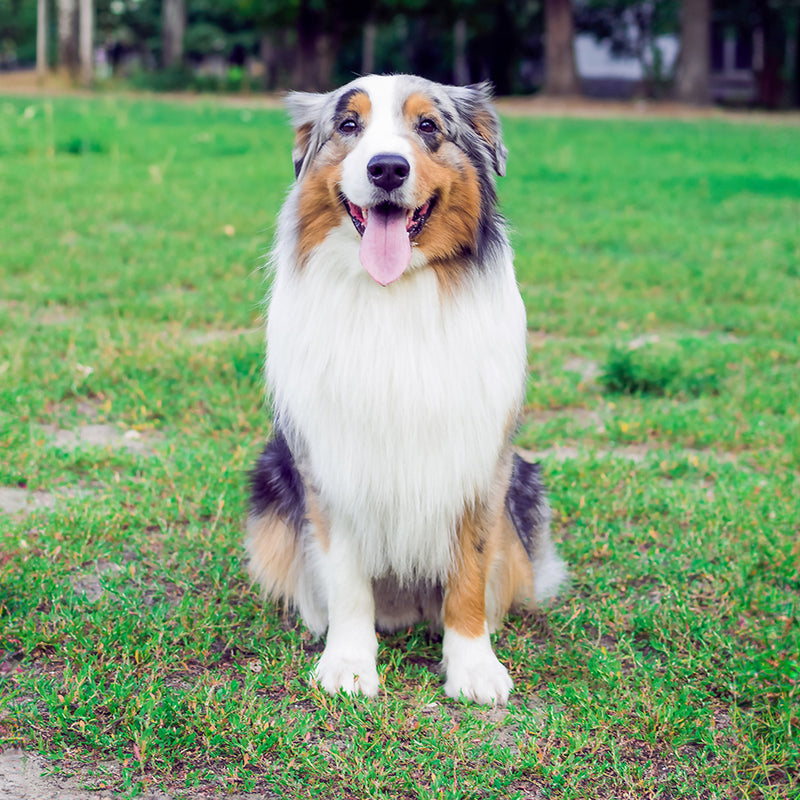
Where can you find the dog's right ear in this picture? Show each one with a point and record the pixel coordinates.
(474, 103)
(305, 112)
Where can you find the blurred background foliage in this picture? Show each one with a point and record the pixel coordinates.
(745, 51)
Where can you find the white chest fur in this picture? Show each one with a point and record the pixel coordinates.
(402, 394)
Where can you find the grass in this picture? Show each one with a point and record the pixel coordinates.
(133, 651)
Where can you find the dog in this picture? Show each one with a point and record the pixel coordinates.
(396, 362)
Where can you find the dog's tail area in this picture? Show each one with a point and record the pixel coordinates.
(275, 524)
(529, 512)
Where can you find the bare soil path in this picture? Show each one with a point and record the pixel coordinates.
(26, 82)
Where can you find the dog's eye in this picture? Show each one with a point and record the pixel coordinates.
(427, 126)
(348, 126)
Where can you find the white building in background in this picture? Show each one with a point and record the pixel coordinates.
(604, 74)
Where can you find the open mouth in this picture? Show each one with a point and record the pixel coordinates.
(414, 219)
(387, 234)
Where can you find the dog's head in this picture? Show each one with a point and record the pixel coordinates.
(405, 163)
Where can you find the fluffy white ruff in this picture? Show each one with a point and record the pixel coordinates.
(402, 396)
(473, 671)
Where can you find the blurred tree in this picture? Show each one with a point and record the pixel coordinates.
(778, 62)
(314, 44)
(173, 28)
(560, 75)
(469, 40)
(17, 32)
(368, 39)
(42, 25)
(693, 75)
(86, 18)
(461, 74)
(130, 30)
(68, 59)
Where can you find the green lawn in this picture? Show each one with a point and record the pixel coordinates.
(660, 264)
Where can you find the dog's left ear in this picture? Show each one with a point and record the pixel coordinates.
(474, 103)
(305, 110)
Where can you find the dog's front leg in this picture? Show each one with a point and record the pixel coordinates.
(471, 667)
(351, 647)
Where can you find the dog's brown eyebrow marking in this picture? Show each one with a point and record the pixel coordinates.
(356, 100)
(419, 105)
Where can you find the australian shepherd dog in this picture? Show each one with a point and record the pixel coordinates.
(396, 362)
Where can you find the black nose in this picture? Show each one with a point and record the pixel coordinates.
(388, 171)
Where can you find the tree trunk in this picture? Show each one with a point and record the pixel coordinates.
(693, 83)
(41, 38)
(68, 36)
(325, 60)
(795, 98)
(460, 62)
(561, 77)
(87, 40)
(173, 27)
(368, 47)
(306, 51)
(267, 53)
(315, 52)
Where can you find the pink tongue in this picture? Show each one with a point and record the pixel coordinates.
(385, 246)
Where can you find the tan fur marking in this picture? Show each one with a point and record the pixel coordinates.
(275, 556)
(449, 176)
(492, 571)
(418, 105)
(486, 126)
(319, 209)
(318, 520)
(361, 105)
(510, 575)
(465, 601)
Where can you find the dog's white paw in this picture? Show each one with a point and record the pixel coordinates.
(473, 671)
(352, 673)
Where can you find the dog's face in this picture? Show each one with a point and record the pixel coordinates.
(402, 162)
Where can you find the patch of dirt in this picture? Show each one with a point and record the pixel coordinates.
(724, 338)
(538, 339)
(29, 776)
(89, 583)
(642, 341)
(585, 417)
(26, 82)
(221, 335)
(588, 108)
(17, 502)
(55, 315)
(504, 719)
(587, 369)
(88, 408)
(101, 435)
(631, 452)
